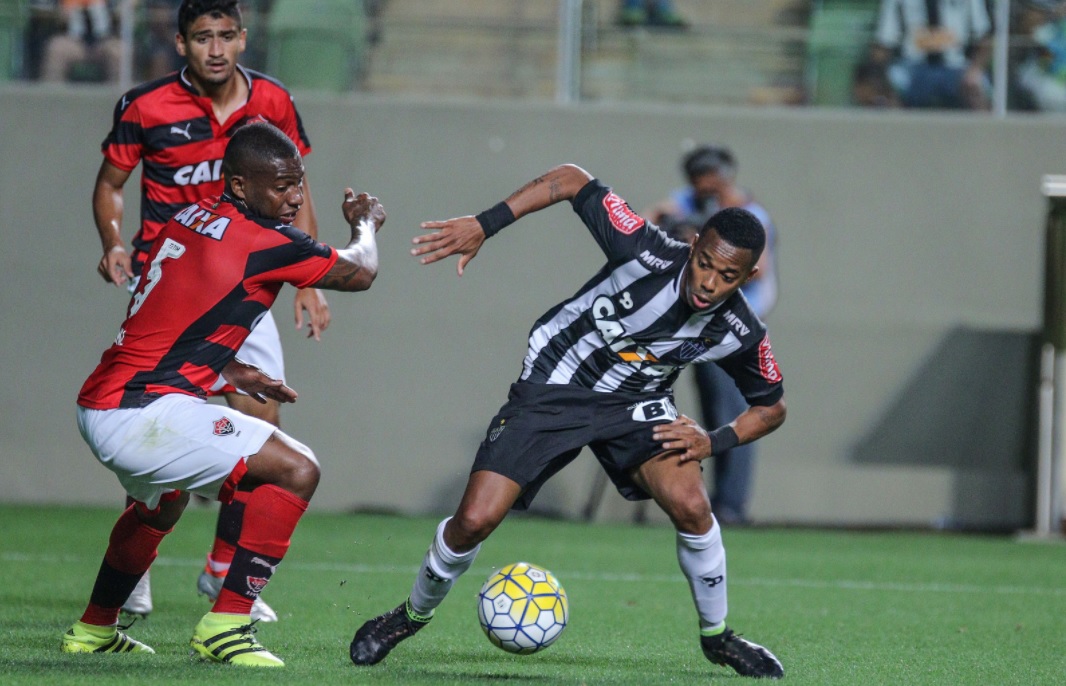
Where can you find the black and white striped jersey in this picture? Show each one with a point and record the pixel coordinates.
(629, 329)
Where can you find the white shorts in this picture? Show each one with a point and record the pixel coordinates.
(263, 349)
(176, 443)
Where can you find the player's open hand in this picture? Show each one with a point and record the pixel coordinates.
(251, 379)
(116, 266)
(362, 208)
(462, 236)
(685, 436)
(313, 301)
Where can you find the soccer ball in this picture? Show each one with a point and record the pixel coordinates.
(522, 608)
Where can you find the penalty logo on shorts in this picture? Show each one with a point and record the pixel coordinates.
(224, 427)
(496, 431)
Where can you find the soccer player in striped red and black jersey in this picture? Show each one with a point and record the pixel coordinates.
(177, 128)
(214, 269)
(598, 373)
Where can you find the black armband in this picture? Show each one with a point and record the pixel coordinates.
(722, 439)
(495, 218)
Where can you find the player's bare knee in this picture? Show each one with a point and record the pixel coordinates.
(303, 475)
(166, 515)
(691, 513)
(470, 527)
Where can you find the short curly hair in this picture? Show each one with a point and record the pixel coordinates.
(191, 10)
(739, 228)
(255, 145)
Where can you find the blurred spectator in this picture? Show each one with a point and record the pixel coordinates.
(871, 87)
(88, 50)
(660, 13)
(711, 172)
(936, 51)
(156, 56)
(1041, 75)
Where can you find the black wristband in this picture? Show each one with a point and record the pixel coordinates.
(495, 218)
(722, 439)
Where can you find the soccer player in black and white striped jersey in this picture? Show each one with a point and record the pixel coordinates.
(597, 373)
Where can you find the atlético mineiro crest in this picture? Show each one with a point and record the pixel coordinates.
(256, 584)
(223, 427)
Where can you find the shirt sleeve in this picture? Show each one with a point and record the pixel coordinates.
(292, 124)
(616, 228)
(755, 371)
(291, 256)
(124, 144)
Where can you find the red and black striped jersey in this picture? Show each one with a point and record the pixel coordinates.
(213, 271)
(173, 132)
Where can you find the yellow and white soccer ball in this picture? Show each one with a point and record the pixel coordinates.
(522, 608)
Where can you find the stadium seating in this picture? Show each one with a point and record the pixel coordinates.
(840, 33)
(12, 25)
(317, 44)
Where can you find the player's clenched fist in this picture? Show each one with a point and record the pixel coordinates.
(362, 207)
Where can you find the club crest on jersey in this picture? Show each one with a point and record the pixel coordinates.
(767, 363)
(203, 222)
(224, 427)
(622, 218)
(690, 350)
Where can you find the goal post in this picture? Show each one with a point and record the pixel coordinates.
(1051, 443)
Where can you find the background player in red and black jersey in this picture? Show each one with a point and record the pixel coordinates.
(215, 268)
(597, 373)
(177, 128)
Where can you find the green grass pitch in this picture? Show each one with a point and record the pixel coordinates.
(836, 607)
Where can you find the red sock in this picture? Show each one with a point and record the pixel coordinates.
(270, 517)
(132, 548)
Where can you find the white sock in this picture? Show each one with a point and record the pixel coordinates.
(440, 568)
(702, 560)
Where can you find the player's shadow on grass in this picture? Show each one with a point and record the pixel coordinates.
(970, 407)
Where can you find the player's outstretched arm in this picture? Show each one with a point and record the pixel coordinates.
(357, 263)
(115, 266)
(252, 380)
(465, 235)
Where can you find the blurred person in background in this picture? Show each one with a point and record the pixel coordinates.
(88, 49)
(711, 172)
(655, 13)
(936, 52)
(1041, 74)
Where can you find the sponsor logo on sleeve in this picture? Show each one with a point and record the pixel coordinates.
(736, 323)
(767, 363)
(654, 262)
(622, 218)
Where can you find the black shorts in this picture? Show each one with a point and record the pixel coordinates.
(543, 427)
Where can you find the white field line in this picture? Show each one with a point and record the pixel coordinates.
(764, 582)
